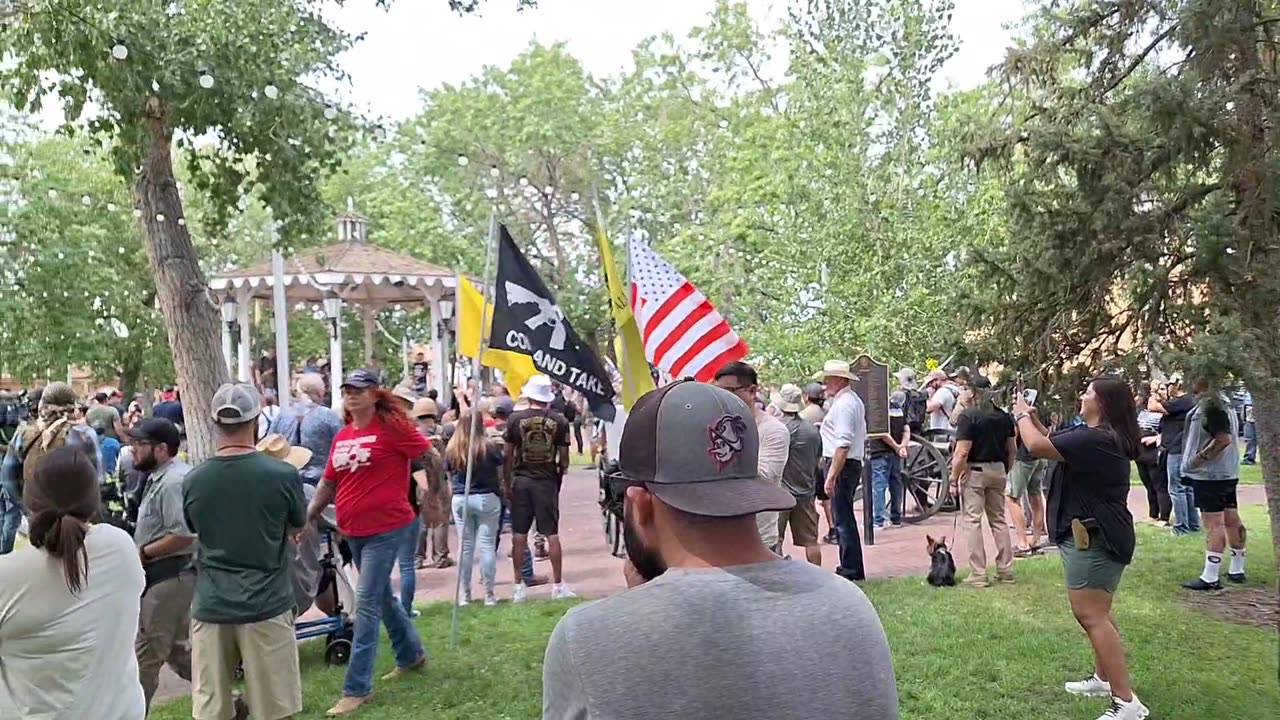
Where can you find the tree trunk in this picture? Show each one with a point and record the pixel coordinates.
(190, 318)
(1266, 413)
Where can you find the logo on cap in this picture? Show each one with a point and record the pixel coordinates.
(726, 439)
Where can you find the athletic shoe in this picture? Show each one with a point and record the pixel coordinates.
(1237, 578)
(831, 538)
(1092, 686)
(1199, 585)
(896, 524)
(1121, 710)
(415, 613)
(519, 593)
(560, 591)
(490, 600)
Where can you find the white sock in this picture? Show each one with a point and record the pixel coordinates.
(1212, 566)
(1237, 561)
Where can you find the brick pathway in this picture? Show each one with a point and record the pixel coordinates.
(592, 572)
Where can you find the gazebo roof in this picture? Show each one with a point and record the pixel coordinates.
(355, 271)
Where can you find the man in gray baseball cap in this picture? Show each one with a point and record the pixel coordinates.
(709, 609)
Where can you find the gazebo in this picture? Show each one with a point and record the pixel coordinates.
(351, 271)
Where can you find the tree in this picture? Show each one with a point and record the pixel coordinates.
(74, 283)
(231, 75)
(1136, 145)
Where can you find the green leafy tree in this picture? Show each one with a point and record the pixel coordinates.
(74, 284)
(1136, 146)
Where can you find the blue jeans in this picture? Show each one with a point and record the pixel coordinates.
(526, 568)
(484, 517)
(1186, 517)
(407, 564)
(1250, 442)
(847, 521)
(374, 556)
(10, 517)
(886, 474)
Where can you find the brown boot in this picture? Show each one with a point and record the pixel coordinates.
(348, 704)
(398, 671)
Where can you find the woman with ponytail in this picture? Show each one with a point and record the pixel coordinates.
(483, 504)
(69, 603)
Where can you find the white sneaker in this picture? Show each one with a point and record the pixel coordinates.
(1092, 686)
(1121, 710)
(519, 593)
(560, 591)
(464, 601)
(490, 599)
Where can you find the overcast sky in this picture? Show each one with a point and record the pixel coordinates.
(421, 44)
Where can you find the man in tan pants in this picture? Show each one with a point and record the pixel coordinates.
(165, 547)
(985, 448)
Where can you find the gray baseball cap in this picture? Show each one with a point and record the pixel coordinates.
(696, 448)
(236, 403)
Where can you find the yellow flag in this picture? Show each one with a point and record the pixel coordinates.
(516, 367)
(632, 365)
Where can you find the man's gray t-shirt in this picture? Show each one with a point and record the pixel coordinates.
(801, 472)
(721, 643)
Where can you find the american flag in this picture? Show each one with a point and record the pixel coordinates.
(683, 334)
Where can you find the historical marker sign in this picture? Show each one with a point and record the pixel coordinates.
(872, 385)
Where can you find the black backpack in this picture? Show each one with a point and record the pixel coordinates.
(915, 410)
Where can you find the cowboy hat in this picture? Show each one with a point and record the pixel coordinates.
(424, 407)
(836, 368)
(277, 447)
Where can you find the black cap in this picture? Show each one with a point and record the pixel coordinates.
(157, 430)
(696, 447)
(361, 379)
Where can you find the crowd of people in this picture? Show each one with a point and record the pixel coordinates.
(707, 480)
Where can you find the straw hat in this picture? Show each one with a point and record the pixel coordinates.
(277, 447)
(422, 407)
(837, 368)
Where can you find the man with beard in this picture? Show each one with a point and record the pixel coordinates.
(165, 547)
(689, 455)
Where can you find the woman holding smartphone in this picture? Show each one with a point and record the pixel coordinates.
(1090, 521)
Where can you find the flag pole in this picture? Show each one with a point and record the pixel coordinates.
(475, 414)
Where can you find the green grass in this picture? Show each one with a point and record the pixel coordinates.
(958, 652)
(1249, 475)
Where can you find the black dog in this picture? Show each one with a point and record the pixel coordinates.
(942, 568)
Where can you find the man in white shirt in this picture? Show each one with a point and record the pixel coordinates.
(740, 379)
(844, 442)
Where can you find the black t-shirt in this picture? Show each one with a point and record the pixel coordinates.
(537, 436)
(1174, 422)
(897, 423)
(989, 430)
(1092, 482)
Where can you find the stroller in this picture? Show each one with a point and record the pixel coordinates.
(612, 489)
(335, 596)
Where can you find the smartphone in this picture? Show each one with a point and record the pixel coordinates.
(1030, 395)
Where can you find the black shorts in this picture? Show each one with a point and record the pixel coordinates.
(535, 499)
(1215, 496)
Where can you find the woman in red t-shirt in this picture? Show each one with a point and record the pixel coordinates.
(365, 478)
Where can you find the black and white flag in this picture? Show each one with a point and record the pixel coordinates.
(526, 319)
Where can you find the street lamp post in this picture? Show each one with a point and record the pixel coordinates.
(333, 311)
(229, 311)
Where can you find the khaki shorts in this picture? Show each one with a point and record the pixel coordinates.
(803, 519)
(1026, 478)
(269, 654)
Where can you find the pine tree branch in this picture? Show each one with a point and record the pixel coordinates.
(1136, 62)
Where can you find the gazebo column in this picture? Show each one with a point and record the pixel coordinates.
(244, 361)
(281, 313)
(437, 353)
(228, 352)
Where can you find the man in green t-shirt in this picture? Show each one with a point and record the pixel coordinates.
(242, 506)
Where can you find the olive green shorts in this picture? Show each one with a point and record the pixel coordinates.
(1093, 568)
